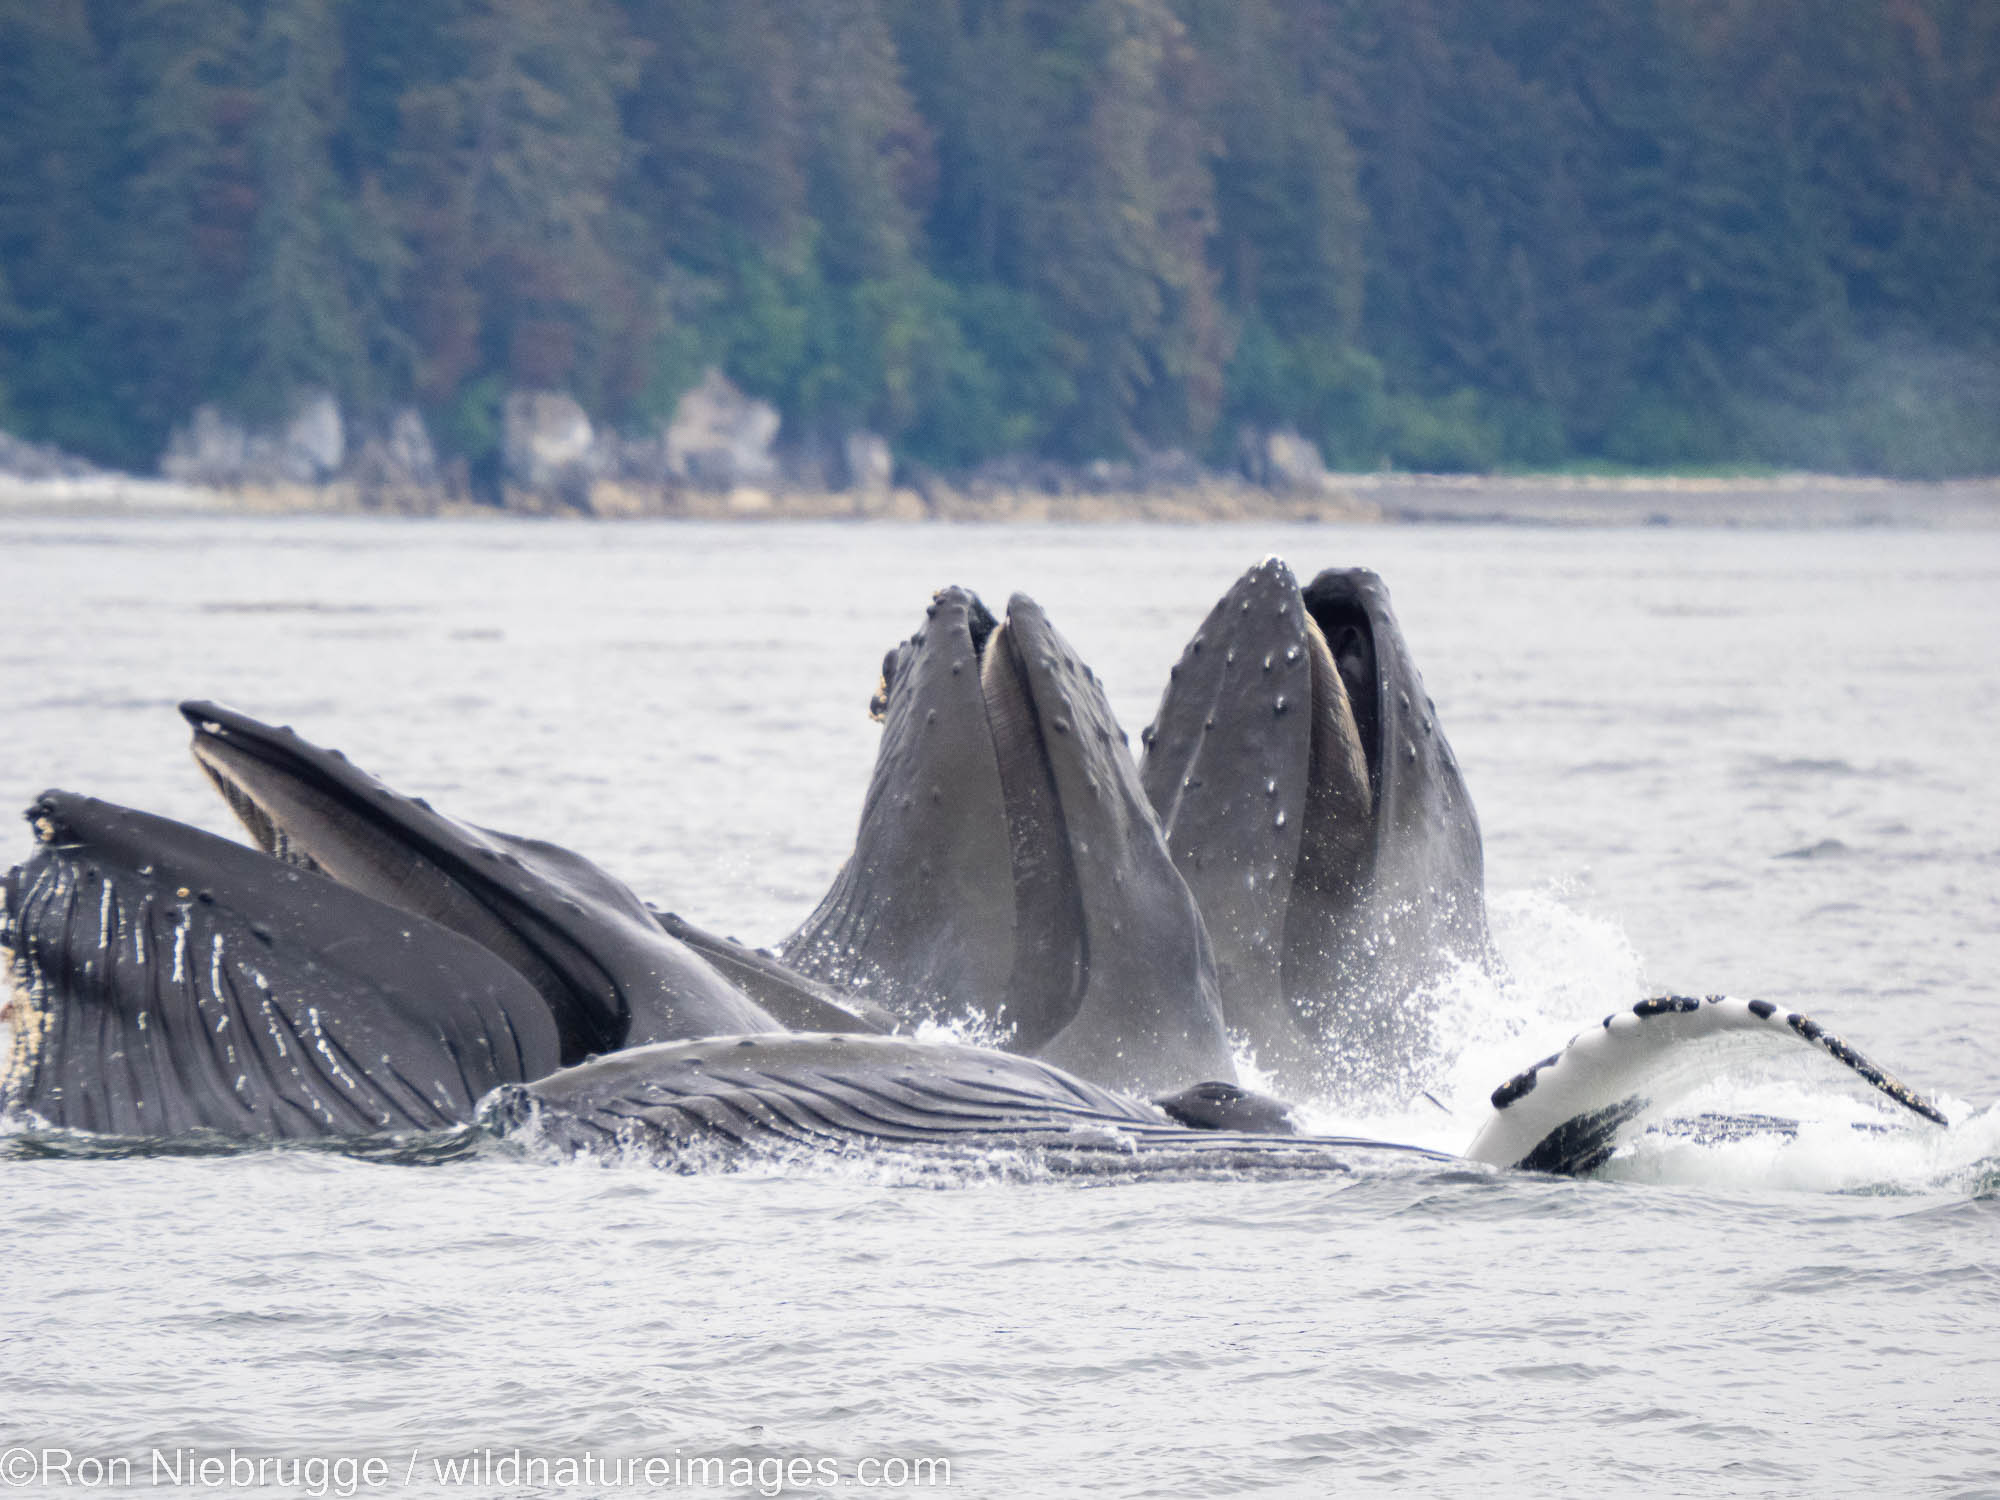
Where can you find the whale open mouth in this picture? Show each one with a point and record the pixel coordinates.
(585, 943)
(967, 790)
(1342, 629)
(962, 611)
(610, 971)
(1311, 803)
(228, 768)
(1008, 869)
(310, 807)
(1269, 746)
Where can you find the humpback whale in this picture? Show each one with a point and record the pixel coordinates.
(722, 1100)
(164, 982)
(799, 1001)
(796, 1094)
(1310, 801)
(376, 966)
(1007, 863)
(611, 975)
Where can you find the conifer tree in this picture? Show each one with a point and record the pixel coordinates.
(295, 324)
(1428, 230)
(61, 373)
(504, 173)
(714, 132)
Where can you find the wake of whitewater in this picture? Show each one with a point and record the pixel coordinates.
(1734, 1113)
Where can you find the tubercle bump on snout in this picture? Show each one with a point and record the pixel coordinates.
(508, 1109)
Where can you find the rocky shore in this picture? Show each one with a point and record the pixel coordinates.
(720, 459)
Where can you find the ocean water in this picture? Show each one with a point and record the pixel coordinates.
(1751, 762)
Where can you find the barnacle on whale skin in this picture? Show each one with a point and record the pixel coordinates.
(23, 1024)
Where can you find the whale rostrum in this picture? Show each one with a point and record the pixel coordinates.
(1008, 867)
(1310, 800)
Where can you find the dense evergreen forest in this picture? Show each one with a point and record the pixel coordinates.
(1453, 234)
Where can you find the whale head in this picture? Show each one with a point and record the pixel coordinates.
(163, 982)
(1311, 801)
(1008, 867)
(588, 945)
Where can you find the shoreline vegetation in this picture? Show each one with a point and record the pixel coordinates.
(1057, 250)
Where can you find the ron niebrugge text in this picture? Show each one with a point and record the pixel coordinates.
(341, 1476)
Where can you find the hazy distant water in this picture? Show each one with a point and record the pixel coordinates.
(1753, 762)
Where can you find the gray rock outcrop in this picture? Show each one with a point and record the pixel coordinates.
(871, 467)
(20, 459)
(547, 444)
(720, 438)
(410, 447)
(1284, 461)
(398, 466)
(217, 449)
(315, 440)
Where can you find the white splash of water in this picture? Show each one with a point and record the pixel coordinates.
(1753, 1120)
(1561, 969)
(1839, 1143)
(968, 1028)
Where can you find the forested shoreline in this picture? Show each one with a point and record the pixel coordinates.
(1424, 234)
